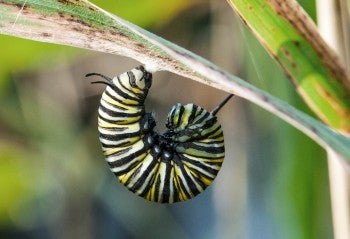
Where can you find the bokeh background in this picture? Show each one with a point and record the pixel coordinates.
(53, 178)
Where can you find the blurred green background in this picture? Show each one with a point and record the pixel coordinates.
(54, 180)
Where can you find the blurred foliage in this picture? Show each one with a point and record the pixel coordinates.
(298, 193)
(20, 52)
(146, 13)
(286, 182)
(56, 183)
(310, 8)
(20, 117)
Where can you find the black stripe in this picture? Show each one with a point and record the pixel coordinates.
(209, 122)
(181, 112)
(141, 180)
(196, 133)
(128, 158)
(115, 130)
(125, 95)
(119, 122)
(141, 95)
(133, 165)
(208, 148)
(201, 165)
(118, 153)
(125, 106)
(131, 78)
(193, 114)
(157, 185)
(117, 137)
(167, 181)
(121, 101)
(200, 118)
(199, 178)
(216, 137)
(189, 182)
(133, 85)
(212, 130)
(114, 113)
(116, 144)
(179, 186)
(151, 181)
(170, 120)
(175, 190)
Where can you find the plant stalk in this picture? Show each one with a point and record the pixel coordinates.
(330, 24)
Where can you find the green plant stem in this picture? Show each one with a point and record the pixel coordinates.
(292, 39)
(330, 25)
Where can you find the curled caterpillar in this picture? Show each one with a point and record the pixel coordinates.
(166, 168)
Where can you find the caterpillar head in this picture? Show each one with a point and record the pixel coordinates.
(137, 80)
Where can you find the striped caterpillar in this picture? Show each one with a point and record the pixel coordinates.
(170, 167)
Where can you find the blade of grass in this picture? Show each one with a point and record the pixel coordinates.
(340, 195)
(82, 24)
(291, 37)
(331, 25)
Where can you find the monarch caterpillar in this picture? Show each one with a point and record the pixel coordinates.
(166, 168)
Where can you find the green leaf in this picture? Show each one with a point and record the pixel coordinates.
(292, 39)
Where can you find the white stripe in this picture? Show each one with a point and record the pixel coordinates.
(107, 116)
(162, 173)
(199, 187)
(125, 166)
(145, 164)
(134, 148)
(180, 175)
(202, 170)
(171, 185)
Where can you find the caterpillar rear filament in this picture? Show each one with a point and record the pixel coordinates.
(167, 168)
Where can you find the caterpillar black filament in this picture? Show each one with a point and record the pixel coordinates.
(170, 167)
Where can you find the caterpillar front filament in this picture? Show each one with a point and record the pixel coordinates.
(170, 167)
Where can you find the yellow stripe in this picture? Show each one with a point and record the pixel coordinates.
(124, 85)
(137, 90)
(135, 147)
(111, 101)
(206, 181)
(203, 179)
(124, 178)
(119, 129)
(182, 194)
(125, 101)
(218, 160)
(185, 116)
